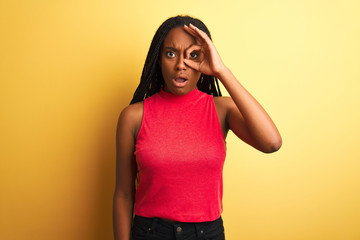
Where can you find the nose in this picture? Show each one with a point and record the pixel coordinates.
(180, 65)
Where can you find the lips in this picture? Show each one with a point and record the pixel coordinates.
(180, 81)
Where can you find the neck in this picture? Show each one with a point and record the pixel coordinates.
(191, 95)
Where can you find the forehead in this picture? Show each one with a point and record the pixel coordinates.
(178, 37)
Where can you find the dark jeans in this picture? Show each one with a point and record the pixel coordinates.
(159, 229)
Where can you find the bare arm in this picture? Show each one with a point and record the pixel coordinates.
(244, 115)
(124, 194)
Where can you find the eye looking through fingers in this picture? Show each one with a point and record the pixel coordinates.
(194, 54)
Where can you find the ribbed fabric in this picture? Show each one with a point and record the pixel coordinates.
(180, 153)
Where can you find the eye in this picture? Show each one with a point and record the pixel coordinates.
(170, 54)
(194, 54)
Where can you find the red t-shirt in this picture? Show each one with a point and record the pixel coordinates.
(180, 152)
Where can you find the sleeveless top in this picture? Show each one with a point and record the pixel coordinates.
(180, 152)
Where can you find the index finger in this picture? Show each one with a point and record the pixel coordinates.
(194, 34)
(198, 33)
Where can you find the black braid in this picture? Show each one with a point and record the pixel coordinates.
(151, 78)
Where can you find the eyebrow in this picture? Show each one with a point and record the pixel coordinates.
(175, 50)
(171, 48)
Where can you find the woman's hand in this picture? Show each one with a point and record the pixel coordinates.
(246, 117)
(208, 60)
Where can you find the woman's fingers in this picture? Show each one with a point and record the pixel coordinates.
(194, 56)
(203, 56)
(194, 34)
(193, 52)
(199, 33)
(192, 64)
(201, 37)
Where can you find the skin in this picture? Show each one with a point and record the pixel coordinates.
(187, 52)
(175, 49)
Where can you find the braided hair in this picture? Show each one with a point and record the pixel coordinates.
(152, 79)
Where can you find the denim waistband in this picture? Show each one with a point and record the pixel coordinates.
(171, 222)
(178, 229)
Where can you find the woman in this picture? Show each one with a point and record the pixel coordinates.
(173, 133)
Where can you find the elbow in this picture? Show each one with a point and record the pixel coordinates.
(272, 146)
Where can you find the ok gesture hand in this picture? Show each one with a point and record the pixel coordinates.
(208, 60)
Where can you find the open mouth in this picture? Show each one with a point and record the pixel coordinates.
(180, 80)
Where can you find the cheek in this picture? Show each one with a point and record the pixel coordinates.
(196, 75)
(162, 68)
(165, 72)
(165, 67)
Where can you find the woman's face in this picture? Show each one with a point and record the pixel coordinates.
(179, 78)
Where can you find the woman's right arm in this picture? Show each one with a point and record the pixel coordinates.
(128, 125)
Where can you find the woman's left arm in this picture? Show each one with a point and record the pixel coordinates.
(245, 116)
(248, 120)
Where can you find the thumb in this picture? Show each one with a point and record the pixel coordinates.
(192, 64)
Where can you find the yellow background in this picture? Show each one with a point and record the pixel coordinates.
(67, 69)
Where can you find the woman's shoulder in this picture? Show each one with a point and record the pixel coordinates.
(131, 116)
(134, 110)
